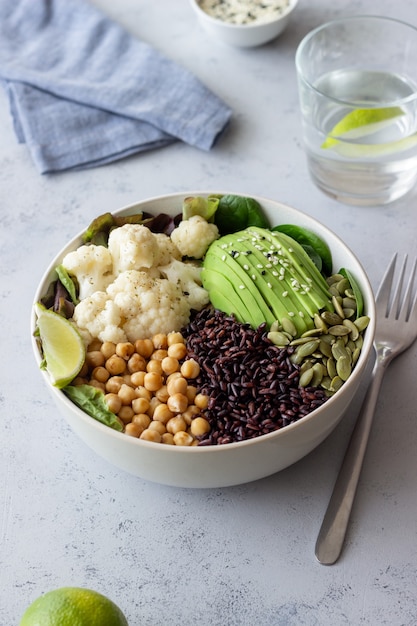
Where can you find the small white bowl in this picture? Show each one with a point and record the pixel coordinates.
(244, 35)
(233, 463)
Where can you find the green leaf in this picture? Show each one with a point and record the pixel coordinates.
(68, 282)
(356, 290)
(91, 400)
(307, 238)
(236, 213)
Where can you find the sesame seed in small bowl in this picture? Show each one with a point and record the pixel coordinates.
(244, 23)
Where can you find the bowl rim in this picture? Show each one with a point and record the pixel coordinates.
(216, 449)
(242, 27)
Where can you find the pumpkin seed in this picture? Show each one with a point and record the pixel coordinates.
(319, 371)
(331, 318)
(343, 367)
(336, 383)
(361, 322)
(319, 323)
(331, 367)
(338, 330)
(278, 338)
(325, 347)
(339, 349)
(337, 303)
(342, 285)
(354, 332)
(306, 377)
(288, 326)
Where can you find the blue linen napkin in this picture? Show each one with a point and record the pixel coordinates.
(84, 92)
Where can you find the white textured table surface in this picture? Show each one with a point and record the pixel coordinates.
(224, 557)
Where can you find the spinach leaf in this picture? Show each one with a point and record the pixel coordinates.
(307, 238)
(92, 401)
(236, 213)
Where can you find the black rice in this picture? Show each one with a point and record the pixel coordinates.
(252, 385)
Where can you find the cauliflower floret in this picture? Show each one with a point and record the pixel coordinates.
(133, 247)
(148, 305)
(92, 267)
(167, 249)
(99, 316)
(188, 278)
(193, 236)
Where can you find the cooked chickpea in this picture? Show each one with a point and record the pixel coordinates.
(159, 341)
(94, 358)
(114, 383)
(190, 369)
(191, 393)
(158, 426)
(162, 413)
(140, 405)
(160, 354)
(151, 435)
(182, 438)
(177, 403)
(177, 385)
(170, 365)
(125, 350)
(199, 426)
(101, 374)
(95, 344)
(177, 351)
(114, 403)
(153, 381)
(144, 347)
(190, 413)
(108, 348)
(133, 430)
(128, 380)
(176, 424)
(201, 400)
(98, 385)
(142, 420)
(127, 395)
(168, 438)
(174, 337)
(153, 403)
(79, 380)
(126, 414)
(136, 363)
(83, 373)
(137, 379)
(154, 365)
(162, 393)
(116, 365)
(142, 392)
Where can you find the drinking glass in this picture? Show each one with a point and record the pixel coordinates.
(357, 80)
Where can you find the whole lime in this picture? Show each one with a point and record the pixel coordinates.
(73, 606)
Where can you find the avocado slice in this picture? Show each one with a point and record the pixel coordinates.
(270, 272)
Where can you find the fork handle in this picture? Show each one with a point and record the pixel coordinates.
(333, 529)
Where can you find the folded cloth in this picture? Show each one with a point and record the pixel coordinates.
(84, 92)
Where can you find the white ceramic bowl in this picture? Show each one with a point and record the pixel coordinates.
(244, 35)
(228, 464)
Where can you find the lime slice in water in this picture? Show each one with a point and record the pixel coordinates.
(62, 345)
(361, 122)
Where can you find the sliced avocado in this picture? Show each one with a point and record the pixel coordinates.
(232, 277)
(224, 297)
(271, 273)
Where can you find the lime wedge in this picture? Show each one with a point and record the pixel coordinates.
(62, 345)
(361, 122)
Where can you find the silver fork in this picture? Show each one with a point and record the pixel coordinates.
(396, 330)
